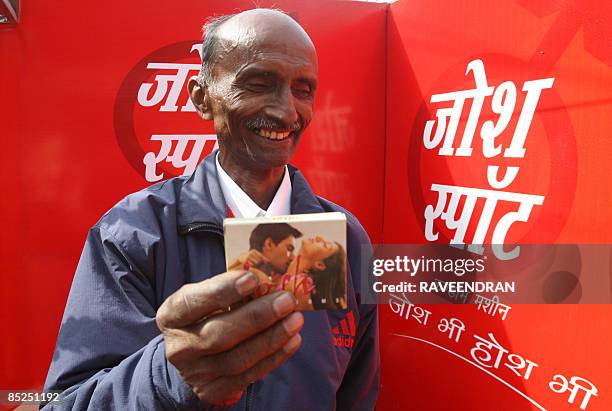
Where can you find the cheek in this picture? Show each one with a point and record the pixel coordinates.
(305, 111)
(241, 110)
(318, 254)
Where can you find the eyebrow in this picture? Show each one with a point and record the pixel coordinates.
(256, 71)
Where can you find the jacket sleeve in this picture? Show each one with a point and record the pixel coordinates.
(109, 353)
(361, 381)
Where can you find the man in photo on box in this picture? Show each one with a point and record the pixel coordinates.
(271, 249)
(147, 324)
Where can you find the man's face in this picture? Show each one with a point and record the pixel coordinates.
(281, 254)
(262, 93)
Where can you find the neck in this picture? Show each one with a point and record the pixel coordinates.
(304, 265)
(259, 184)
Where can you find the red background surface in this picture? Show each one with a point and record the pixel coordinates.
(61, 73)
(567, 160)
(61, 76)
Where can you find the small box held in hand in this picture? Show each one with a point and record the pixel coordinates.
(304, 254)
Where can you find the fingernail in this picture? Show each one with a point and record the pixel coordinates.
(246, 284)
(293, 323)
(293, 343)
(283, 304)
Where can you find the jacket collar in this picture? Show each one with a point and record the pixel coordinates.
(201, 199)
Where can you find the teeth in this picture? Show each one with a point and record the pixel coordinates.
(273, 135)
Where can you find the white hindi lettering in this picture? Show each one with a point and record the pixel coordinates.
(483, 346)
(492, 306)
(175, 73)
(178, 78)
(460, 225)
(400, 303)
(453, 115)
(560, 384)
(514, 362)
(450, 326)
(172, 150)
(503, 102)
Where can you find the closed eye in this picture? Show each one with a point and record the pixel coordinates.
(259, 81)
(258, 86)
(302, 91)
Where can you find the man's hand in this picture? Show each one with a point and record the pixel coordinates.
(254, 258)
(219, 352)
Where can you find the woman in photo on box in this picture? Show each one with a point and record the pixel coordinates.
(317, 276)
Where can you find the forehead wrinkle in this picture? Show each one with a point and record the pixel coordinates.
(233, 37)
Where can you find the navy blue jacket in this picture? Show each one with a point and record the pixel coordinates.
(110, 353)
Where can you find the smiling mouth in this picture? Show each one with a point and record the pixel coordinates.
(274, 135)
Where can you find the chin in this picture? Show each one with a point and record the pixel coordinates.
(269, 153)
(268, 159)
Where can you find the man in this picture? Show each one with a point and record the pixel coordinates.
(271, 249)
(156, 260)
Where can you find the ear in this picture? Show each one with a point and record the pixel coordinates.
(268, 243)
(319, 265)
(198, 92)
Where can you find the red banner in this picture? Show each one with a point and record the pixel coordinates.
(497, 130)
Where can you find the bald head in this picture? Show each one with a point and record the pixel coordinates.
(252, 30)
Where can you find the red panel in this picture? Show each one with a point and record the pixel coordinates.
(567, 161)
(75, 135)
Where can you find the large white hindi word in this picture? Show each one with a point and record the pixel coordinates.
(503, 103)
(446, 210)
(172, 150)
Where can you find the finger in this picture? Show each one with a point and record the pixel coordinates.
(257, 257)
(260, 256)
(254, 260)
(221, 389)
(193, 302)
(250, 352)
(246, 354)
(263, 257)
(223, 332)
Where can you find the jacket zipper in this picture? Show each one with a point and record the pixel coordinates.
(199, 227)
(249, 397)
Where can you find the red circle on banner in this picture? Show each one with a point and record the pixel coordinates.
(135, 124)
(543, 171)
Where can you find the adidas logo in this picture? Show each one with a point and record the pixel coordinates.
(344, 335)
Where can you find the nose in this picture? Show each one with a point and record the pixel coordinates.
(282, 108)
